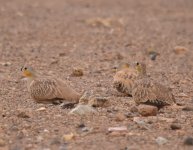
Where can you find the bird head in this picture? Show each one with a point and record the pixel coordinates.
(141, 68)
(27, 72)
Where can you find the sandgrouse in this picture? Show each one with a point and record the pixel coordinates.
(44, 89)
(124, 79)
(146, 91)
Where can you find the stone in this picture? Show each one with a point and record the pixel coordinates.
(85, 98)
(147, 110)
(23, 114)
(161, 140)
(142, 124)
(41, 109)
(98, 102)
(188, 141)
(68, 137)
(120, 117)
(2, 143)
(82, 110)
(175, 126)
(77, 72)
(180, 50)
(134, 109)
(118, 129)
(188, 108)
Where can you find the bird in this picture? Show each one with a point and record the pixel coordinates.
(147, 91)
(47, 88)
(124, 78)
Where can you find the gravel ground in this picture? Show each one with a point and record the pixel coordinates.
(55, 36)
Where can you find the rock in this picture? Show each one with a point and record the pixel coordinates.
(142, 124)
(134, 109)
(81, 125)
(98, 102)
(180, 50)
(120, 117)
(118, 129)
(83, 110)
(153, 55)
(175, 126)
(63, 146)
(67, 105)
(41, 109)
(5, 63)
(188, 108)
(188, 141)
(161, 140)
(85, 98)
(130, 115)
(2, 143)
(23, 114)
(183, 95)
(117, 134)
(77, 72)
(62, 54)
(147, 110)
(86, 129)
(55, 141)
(68, 137)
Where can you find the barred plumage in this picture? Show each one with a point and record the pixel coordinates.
(48, 88)
(124, 79)
(147, 91)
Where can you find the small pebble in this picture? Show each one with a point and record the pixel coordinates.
(98, 102)
(23, 115)
(153, 55)
(187, 108)
(41, 109)
(120, 117)
(147, 110)
(119, 129)
(68, 137)
(188, 141)
(175, 126)
(2, 143)
(161, 140)
(180, 50)
(133, 109)
(77, 72)
(83, 110)
(81, 125)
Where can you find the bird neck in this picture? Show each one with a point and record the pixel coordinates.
(142, 73)
(29, 81)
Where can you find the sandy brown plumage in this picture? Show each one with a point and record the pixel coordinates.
(147, 91)
(49, 88)
(124, 79)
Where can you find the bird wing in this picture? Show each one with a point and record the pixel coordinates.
(44, 89)
(164, 94)
(143, 91)
(123, 81)
(147, 91)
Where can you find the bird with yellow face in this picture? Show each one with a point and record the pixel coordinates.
(124, 79)
(46, 89)
(147, 91)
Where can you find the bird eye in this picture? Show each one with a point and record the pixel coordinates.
(25, 68)
(137, 63)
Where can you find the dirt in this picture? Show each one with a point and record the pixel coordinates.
(55, 36)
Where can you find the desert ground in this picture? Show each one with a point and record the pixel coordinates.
(56, 36)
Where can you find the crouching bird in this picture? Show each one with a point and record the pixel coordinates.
(124, 79)
(147, 91)
(48, 89)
